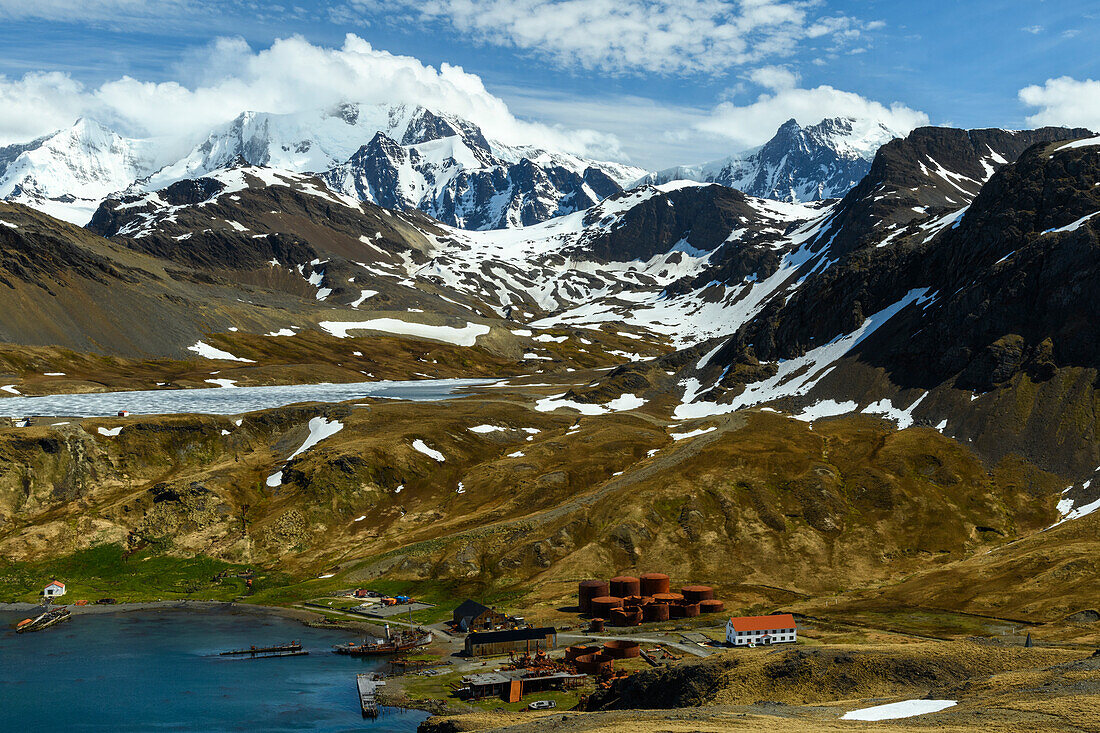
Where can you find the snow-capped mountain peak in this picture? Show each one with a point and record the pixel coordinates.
(798, 163)
(67, 173)
(400, 156)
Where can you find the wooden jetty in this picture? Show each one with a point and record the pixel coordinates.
(293, 649)
(368, 685)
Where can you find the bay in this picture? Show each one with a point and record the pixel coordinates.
(160, 671)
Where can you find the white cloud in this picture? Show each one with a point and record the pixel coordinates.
(1064, 101)
(658, 135)
(653, 134)
(293, 75)
(774, 77)
(753, 124)
(633, 36)
(215, 83)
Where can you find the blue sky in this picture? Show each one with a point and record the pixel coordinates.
(653, 81)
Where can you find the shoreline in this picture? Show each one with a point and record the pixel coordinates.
(303, 616)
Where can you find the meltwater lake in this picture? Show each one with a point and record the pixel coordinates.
(159, 671)
(226, 400)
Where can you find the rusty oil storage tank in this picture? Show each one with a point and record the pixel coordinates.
(603, 605)
(655, 612)
(598, 663)
(696, 593)
(596, 625)
(668, 598)
(654, 583)
(625, 617)
(589, 589)
(622, 649)
(636, 601)
(579, 650)
(711, 606)
(690, 610)
(626, 585)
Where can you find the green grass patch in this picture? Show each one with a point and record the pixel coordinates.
(105, 571)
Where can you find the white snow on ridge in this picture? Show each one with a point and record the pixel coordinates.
(465, 336)
(904, 418)
(798, 376)
(692, 433)
(825, 408)
(895, 710)
(110, 432)
(1073, 226)
(319, 429)
(363, 295)
(1069, 511)
(626, 401)
(1085, 143)
(207, 351)
(423, 447)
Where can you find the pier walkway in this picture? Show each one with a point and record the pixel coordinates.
(368, 693)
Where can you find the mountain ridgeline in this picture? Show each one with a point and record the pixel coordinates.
(403, 157)
(957, 289)
(811, 163)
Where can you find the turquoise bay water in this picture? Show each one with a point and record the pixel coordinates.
(154, 671)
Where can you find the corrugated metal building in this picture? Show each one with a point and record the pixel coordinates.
(501, 642)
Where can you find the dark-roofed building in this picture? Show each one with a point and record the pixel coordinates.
(486, 643)
(474, 616)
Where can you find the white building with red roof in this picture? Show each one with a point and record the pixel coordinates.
(54, 589)
(778, 628)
